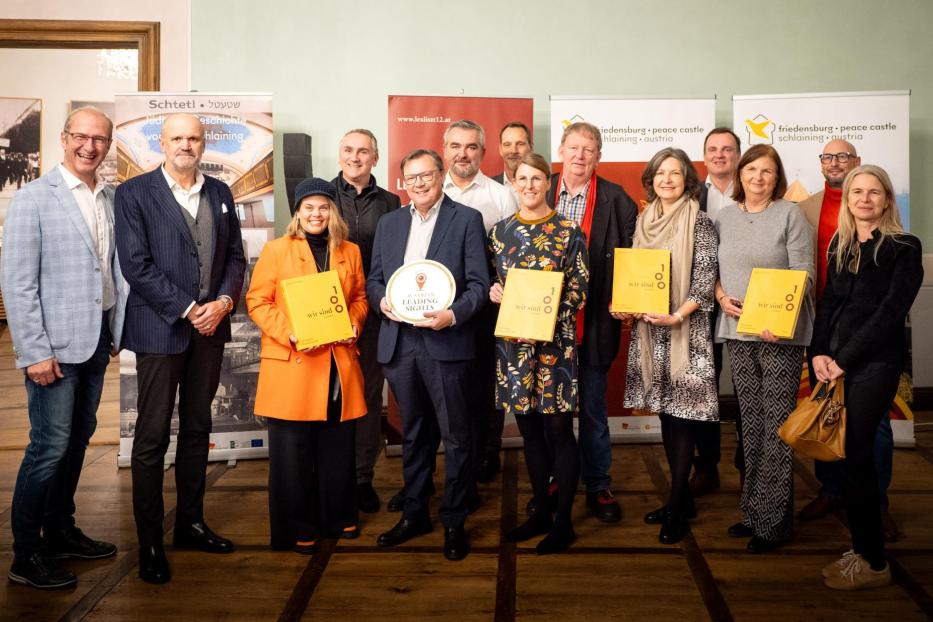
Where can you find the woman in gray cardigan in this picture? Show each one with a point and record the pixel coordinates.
(763, 231)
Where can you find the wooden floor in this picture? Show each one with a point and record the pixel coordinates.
(612, 572)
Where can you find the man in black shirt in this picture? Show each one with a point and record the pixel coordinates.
(362, 203)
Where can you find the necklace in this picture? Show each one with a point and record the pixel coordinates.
(326, 257)
(749, 215)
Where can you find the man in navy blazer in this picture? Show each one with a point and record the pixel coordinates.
(427, 364)
(64, 298)
(178, 234)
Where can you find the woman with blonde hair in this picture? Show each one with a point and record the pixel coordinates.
(309, 397)
(874, 273)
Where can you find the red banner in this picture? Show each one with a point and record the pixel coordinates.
(418, 122)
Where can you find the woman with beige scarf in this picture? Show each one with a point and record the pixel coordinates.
(670, 361)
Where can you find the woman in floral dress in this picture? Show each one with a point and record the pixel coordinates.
(537, 380)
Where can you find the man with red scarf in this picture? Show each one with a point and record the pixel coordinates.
(607, 215)
(822, 211)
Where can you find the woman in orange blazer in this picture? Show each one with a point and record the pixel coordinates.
(309, 397)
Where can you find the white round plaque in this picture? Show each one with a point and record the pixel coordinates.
(420, 286)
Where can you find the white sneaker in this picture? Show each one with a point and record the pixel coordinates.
(833, 569)
(858, 575)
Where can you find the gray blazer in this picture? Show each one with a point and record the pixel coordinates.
(50, 276)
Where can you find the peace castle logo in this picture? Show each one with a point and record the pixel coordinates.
(760, 130)
(574, 119)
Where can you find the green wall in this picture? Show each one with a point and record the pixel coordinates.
(331, 63)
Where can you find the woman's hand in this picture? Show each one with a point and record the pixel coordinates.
(834, 370)
(661, 319)
(495, 293)
(294, 341)
(821, 367)
(730, 306)
(767, 335)
(349, 341)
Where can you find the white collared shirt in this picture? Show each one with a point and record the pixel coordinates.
(716, 200)
(93, 207)
(188, 199)
(489, 198)
(422, 228)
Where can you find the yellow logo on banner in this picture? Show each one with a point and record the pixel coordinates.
(760, 130)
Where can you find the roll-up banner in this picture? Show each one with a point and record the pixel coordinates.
(633, 130)
(418, 122)
(876, 123)
(238, 151)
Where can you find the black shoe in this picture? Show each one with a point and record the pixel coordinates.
(534, 526)
(761, 545)
(73, 543)
(368, 499)
(656, 517)
(741, 530)
(604, 506)
(456, 546)
(531, 508)
(673, 530)
(41, 572)
(404, 530)
(349, 533)
(306, 548)
(488, 468)
(199, 537)
(556, 541)
(153, 567)
(397, 502)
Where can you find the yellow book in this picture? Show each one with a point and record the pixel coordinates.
(316, 309)
(641, 280)
(529, 304)
(772, 302)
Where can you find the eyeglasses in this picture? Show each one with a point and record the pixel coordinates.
(842, 157)
(424, 178)
(99, 141)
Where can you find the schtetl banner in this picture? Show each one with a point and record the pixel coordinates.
(238, 151)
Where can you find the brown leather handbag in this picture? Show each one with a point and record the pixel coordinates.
(817, 427)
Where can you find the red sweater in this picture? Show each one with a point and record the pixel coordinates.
(829, 218)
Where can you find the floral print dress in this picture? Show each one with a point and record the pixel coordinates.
(541, 377)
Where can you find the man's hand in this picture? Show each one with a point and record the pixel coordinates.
(387, 310)
(205, 318)
(437, 320)
(45, 372)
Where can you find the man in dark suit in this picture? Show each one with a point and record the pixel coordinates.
(178, 236)
(607, 217)
(427, 363)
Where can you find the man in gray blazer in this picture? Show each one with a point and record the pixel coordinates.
(65, 300)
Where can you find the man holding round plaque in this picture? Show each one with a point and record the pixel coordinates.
(428, 279)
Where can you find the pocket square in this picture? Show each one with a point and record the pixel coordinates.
(223, 208)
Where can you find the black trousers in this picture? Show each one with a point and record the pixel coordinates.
(550, 447)
(432, 398)
(679, 436)
(867, 401)
(312, 480)
(488, 420)
(194, 374)
(369, 438)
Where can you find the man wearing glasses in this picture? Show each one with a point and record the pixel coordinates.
(65, 301)
(822, 211)
(427, 364)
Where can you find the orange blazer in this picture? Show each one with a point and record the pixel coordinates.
(294, 385)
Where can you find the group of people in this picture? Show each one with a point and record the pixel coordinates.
(158, 266)
(17, 168)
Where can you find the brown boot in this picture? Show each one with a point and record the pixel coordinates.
(818, 508)
(889, 527)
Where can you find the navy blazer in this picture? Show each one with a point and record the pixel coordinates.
(458, 242)
(160, 261)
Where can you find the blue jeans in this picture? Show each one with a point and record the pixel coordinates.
(595, 446)
(828, 472)
(62, 419)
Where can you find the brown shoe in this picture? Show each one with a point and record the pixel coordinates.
(704, 482)
(889, 527)
(818, 508)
